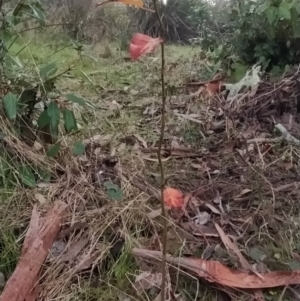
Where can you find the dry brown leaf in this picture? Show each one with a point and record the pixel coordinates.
(233, 248)
(213, 209)
(216, 272)
(156, 160)
(75, 249)
(40, 198)
(154, 213)
(175, 144)
(66, 232)
(201, 218)
(196, 166)
(243, 193)
(86, 261)
(99, 139)
(147, 280)
(57, 248)
(43, 185)
(199, 230)
(141, 140)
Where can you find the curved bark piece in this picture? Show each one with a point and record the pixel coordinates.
(216, 272)
(38, 240)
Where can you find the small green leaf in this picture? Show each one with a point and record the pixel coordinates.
(113, 191)
(38, 14)
(54, 150)
(70, 120)
(263, 7)
(78, 148)
(75, 99)
(6, 34)
(54, 114)
(272, 13)
(53, 110)
(10, 105)
(50, 68)
(27, 176)
(295, 23)
(284, 11)
(43, 119)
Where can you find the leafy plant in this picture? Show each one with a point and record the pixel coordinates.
(265, 32)
(32, 107)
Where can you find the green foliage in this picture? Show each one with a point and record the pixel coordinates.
(75, 99)
(27, 176)
(10, 105)
(265, 32)
(113, 191)
(43, 119)
(53, 112)
(32, 107)
(54, 150)
(70, 120)
(78, 148)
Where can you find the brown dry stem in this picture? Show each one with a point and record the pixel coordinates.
(159, 156)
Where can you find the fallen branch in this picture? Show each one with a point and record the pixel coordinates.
(216, 272)
(38, 240)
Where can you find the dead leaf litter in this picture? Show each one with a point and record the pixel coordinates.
(231, 166)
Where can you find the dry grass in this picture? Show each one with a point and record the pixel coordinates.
(91, 259)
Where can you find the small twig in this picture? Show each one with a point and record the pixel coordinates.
(39, 27)
(168, 149)
(295, 293)
(62, 73)
(265, 140)
(282, 293)
(159, 156)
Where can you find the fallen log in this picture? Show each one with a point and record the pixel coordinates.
(38, 240)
